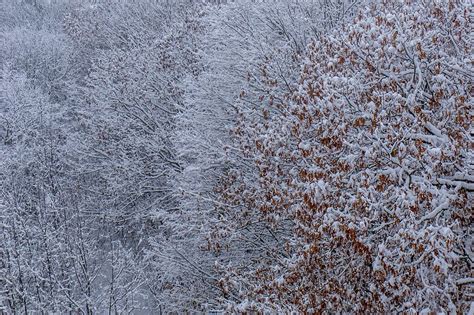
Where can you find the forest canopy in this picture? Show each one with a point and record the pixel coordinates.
(236, 156)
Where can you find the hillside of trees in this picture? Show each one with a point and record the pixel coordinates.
(246, 156)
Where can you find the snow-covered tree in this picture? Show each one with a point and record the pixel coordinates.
(245, 44)
(54, 252)
(370, 159)
(271, 156)
(129, 100)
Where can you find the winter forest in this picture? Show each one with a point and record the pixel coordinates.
(246, 156)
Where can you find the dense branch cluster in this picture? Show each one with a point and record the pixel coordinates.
(236, 156)
(370, 159)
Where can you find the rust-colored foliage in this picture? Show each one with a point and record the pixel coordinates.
(370, 164)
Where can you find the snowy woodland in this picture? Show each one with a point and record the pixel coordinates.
(246, 156)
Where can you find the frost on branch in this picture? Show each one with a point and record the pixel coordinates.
(371, 162)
